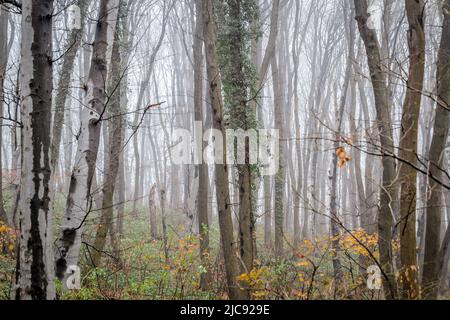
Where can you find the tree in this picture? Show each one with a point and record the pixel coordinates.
(280, 178)
(437, 156)
(235, 36)
(388, 192)
(115, 122)
(35, 272)
(152, 212)
(79, 199)
(143, 87)
(334, 213)
(222, 187)
(415, 11)
(201, 170)
(261, 76)
(3, 64)
(71, 47)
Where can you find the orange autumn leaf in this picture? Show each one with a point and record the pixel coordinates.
(343, 157)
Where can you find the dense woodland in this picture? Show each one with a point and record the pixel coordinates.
(95, 204)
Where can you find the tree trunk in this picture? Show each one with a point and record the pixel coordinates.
(437, 156)
(79, 199)
(408, 149)
(388, 191)
(237, 86)
(262, 74)
(280, 178)
(222, 186)
(201, 170)
(267, 212)
(71, 47)
(35, 273)
(334, 212)
(152, 212)
(3, 64)
(114, 149)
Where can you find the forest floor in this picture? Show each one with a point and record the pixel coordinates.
(144, 272)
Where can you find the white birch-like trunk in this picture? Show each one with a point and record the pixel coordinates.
(35, 272)
(79, 199)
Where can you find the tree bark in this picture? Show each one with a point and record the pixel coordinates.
(408, 148)
(280, 178)
(152, 212)
(79, 199)
(335, 231)
(35, 273)
(3, 64)
(388, 192)
(222, 187)
(71, 47)
(201, 170)
(433, 262)
(115, 148)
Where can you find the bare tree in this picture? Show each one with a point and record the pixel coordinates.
(35, 272)
(114, 113)
(222, 187)
(79, 199)
(71, 47)
(415, 11)
(433, 261)
(201, 169)
(3, 64)
(334, 213)
(388, 193)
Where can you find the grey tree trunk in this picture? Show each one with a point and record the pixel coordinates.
(201, 169)
(334, 212)
(222, 186)
(388, 192)
(152, 212)
(433, 262)
(79, 199)
(237, 88)
(114, 126)
(4, 15)
(125, 57)
(280, 178)
(71, 47)
(415, 11)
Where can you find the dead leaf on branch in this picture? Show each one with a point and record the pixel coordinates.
(343, 157)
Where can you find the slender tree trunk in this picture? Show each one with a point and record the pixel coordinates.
(114, 149)
(222, 186)
(16, 146)
(388, 191)
(161, 183)
(408, 148)
(35, 273)
(125, 60)
(152, 212)
(437, 156)
(267, 212)
(137, 168)
(262, 74)
(334, 212)
(71, 47)
(280, 178)
(79, 199)
(202, 168)
(3, 63)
